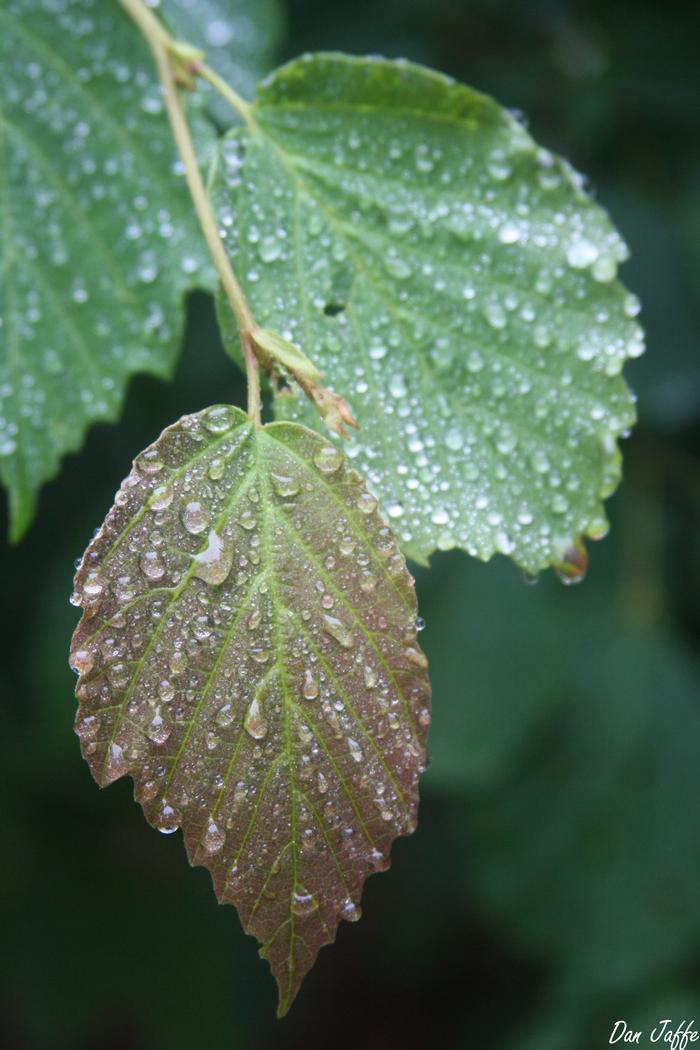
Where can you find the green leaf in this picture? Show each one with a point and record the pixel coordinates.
(248, 654)
(455, 283)
(239, 38)
(97, 234)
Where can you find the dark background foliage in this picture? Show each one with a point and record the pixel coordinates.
(552, 886)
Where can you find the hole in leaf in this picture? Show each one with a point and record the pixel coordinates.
(333, 309)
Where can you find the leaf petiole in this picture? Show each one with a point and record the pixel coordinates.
(165, 52)
(227, 93)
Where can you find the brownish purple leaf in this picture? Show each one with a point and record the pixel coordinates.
(248, 655)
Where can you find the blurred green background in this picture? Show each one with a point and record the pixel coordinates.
(553, 884)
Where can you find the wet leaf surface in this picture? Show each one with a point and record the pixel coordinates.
(98, 241)
(248, 655)
(455, 283)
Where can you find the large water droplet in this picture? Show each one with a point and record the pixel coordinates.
(213, 564)
(152, 565)
(219, 419)
(162, 497)
(581, 254)
(195, 517)
(82, 661)
(338, 630)
(255, 721)
(158, 731)
(213, 838)
(366, 503)
(94, 586)
(328, 459)
(284, 485)
(350, 911)
(168, 819)
(304, 904)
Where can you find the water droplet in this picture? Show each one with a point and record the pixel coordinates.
(117, 765)
(572, 566)
(350, 911)
(370, 677)
(158, 731)
(255, 721)
(214, 563)
(631, 305)
(422, 159)
(247, 520)
(397, 386)
(454, 439)
(366, 503)
(94, 586)
(148, 790)
(304, 904)
(178, 661)
(495, 315)
(152, 565)
(216, 468)
(269, 249)
(338, 630)
(328, 459)
(379, 861)
(149, 462)
(224, 716)
(162, 497)
(82, 661)
(219, 419)
(213, 839)
(166, 691)
(475, 361)
(168, 819)
(195, 518)
(354, 749)
(604, 269)
(509, 233)
(416, 657)
(581, 254)
(397, 267)
(88, 727)
(310, 686)
(285, 485)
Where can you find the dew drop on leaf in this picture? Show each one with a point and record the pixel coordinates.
(213, 564)
(255, 722)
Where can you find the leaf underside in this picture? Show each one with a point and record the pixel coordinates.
(455, 283)
(248, 655)
(98, 241)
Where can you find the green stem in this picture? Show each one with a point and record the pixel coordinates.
(238, 104)
(252, 368)
(163, 47)
(147, 22)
